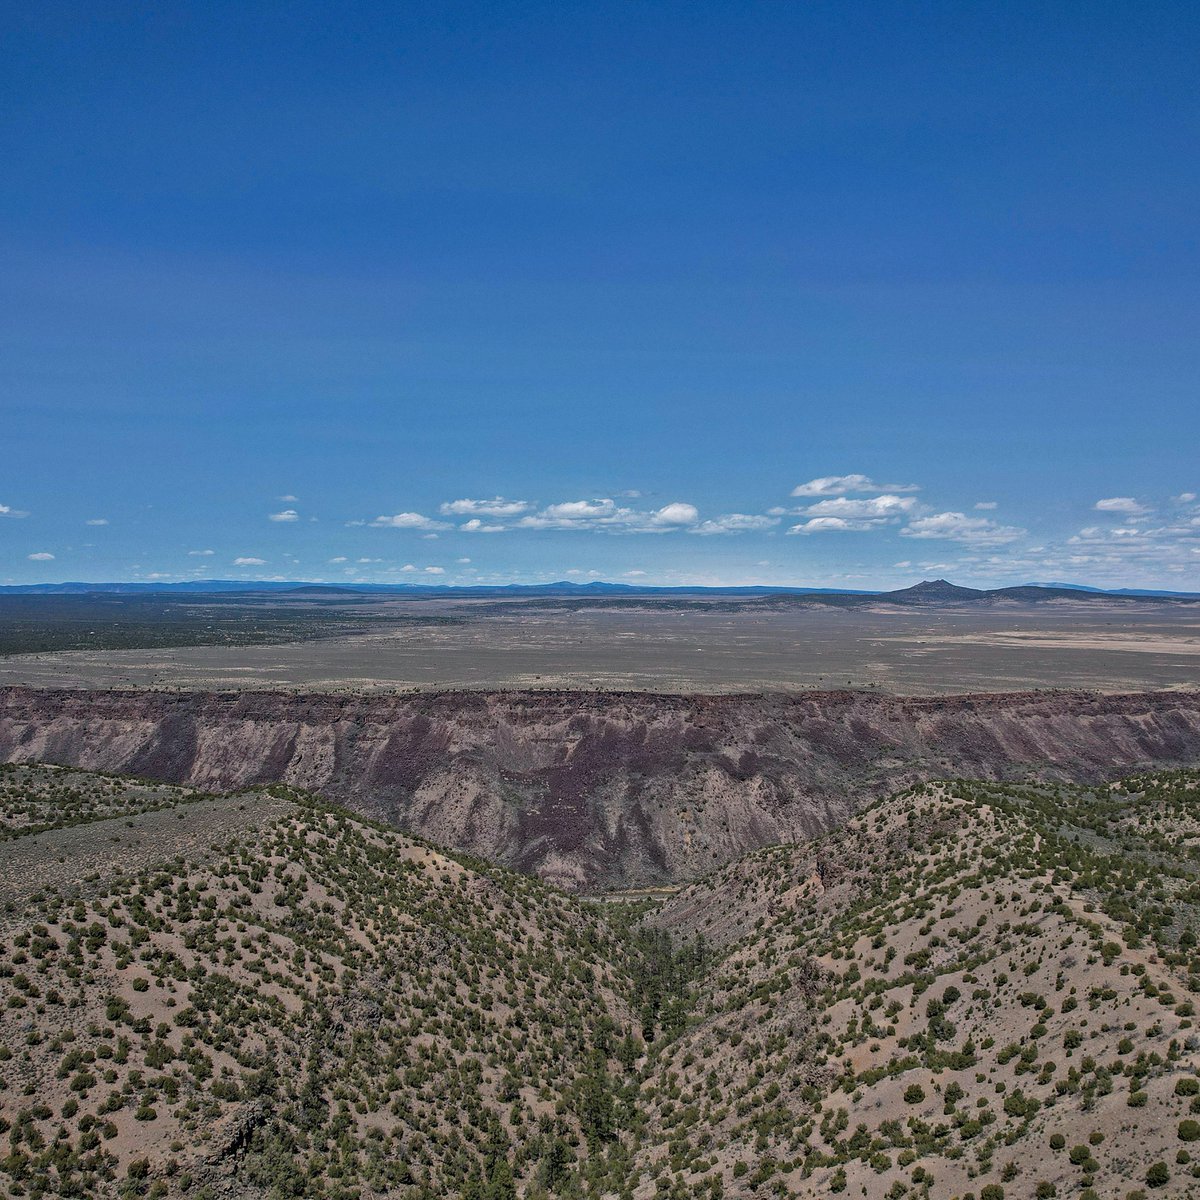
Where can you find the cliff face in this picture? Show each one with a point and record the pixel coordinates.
(600, 790)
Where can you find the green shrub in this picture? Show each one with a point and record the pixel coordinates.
(1158, 1175)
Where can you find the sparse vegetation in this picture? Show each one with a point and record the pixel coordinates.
(41, 624)
(969, 989)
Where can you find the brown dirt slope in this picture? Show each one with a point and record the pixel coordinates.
(593, 789)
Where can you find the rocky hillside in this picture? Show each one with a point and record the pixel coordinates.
(592, 790)
(970, 990)
(256, 996)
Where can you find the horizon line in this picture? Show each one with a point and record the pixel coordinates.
(275, 584)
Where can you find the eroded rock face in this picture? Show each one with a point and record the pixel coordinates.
(595, 789)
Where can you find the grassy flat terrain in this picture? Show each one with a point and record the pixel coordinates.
(106, 622)
(374, 643)
(968, 990)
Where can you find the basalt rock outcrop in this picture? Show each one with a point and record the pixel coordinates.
(596, 790)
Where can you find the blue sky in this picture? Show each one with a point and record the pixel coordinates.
(628, 277)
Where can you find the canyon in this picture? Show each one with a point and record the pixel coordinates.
(600, 791)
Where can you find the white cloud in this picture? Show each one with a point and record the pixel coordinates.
(833, 525)
(496, 507)
(840, 514)
(288, 514)
(408, 520)
(249, 562)
(8, 511)
(634, 574)
(435, 570)
(873, 509)
(842, 485)
(958, 527)
(287, 499)
(676, 514)
(97, 521)
(606, 515)
(857, 504)
(1130, 555)
(580, 510)
(41, 556)
(462, 561)
(201, 553)
(1125, 505)
(1160, 545)
(599, 514)
(341, 558)
(735, 523)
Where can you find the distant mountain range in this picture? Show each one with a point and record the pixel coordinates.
(931, 593)
(564, 588)
(1083, 587)
(927, 592)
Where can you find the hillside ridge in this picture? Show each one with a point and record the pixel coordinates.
(970, 989)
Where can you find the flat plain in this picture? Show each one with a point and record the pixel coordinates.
(664, 646)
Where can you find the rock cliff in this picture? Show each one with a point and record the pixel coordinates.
(595, 790)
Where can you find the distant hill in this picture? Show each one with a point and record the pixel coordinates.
(1083, 587)
(941, 593)
(557, 588)
(935, 591)
(927, 592)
